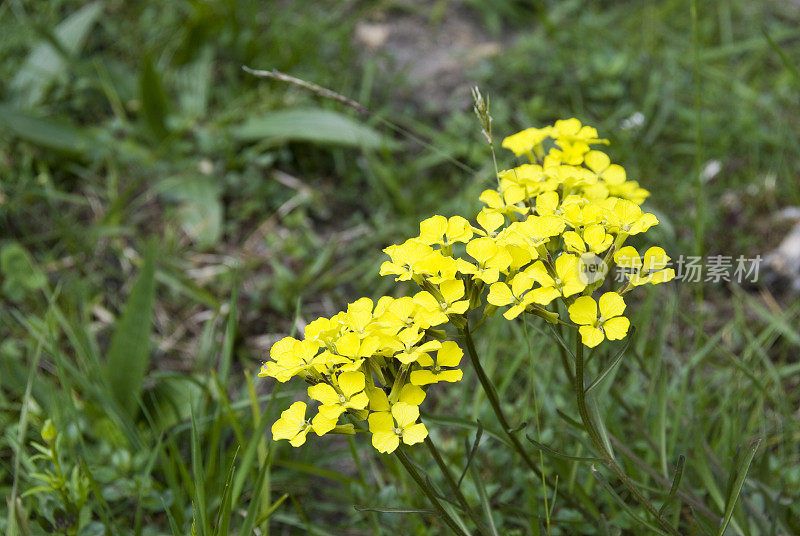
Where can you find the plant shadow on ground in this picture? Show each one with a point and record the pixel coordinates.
(164, 221)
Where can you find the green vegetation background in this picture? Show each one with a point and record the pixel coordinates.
(165, 217)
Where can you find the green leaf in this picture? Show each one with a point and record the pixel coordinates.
(46, 132)
(155, 105)
(313, 125)
(46, 62)
(20, 275)
(736, 483)
(129, 352)
(193, 85)
(200, 211)
(613, 363)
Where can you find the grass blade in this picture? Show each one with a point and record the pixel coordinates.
(155, 105)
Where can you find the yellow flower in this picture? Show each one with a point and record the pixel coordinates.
(348, 395)
(653, 270)
(547, 204)
(292, 357)
(504, 204)
(627, 217)
(409, 352)
(443, 369)
(403, 313)
(600, 163)
(401, 423)
(355, 349)
(629, 190)
(435, 312)
(490, 222)
(518, 293)
(524, 142)
(323, 330)
(535, 231)
(595, 240)
(406, 259)
(358, 316)
(444, 232)
(566, 282)
(492, 259)
(573, 140)
(292, 425)
(610, 324)
(437, 267)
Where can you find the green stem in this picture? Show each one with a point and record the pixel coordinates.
(426, 489)
(597, 441)
(491, 395)
(451, 481)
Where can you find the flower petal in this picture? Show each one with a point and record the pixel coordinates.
(591, 336)
(405, 414)
(324, 393)
(499, 294)
(414, 434)
(385, 442)
(412, 395)
(611, 305)
(351, 383)
(616, 328)
(449, 355)
(583, 311)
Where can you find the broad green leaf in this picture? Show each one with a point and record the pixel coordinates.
(200, 208)
(129, 352)
(20, 274)
(193, 85)
(155, 105)
(46, 132)
(310, 125)
(46, 63)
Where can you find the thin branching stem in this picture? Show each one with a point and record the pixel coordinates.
(451, 482)
(586, 507)
(597, 441)
(430, 493)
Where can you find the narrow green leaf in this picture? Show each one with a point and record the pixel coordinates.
(45, 132)
(625, 506)
(129, 352)
(313, 125)
(484, 498)
(249, 457)
(554, 453)
(271, 510)
(224, 515)
(676, 481)
(255, 502)
(736, 483)
(613, 363)
(46, 63)
(200, 513)
(472, 451)
(155, 105)
(388, 510)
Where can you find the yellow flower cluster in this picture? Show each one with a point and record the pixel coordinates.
(549, 232)
(370, 361)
